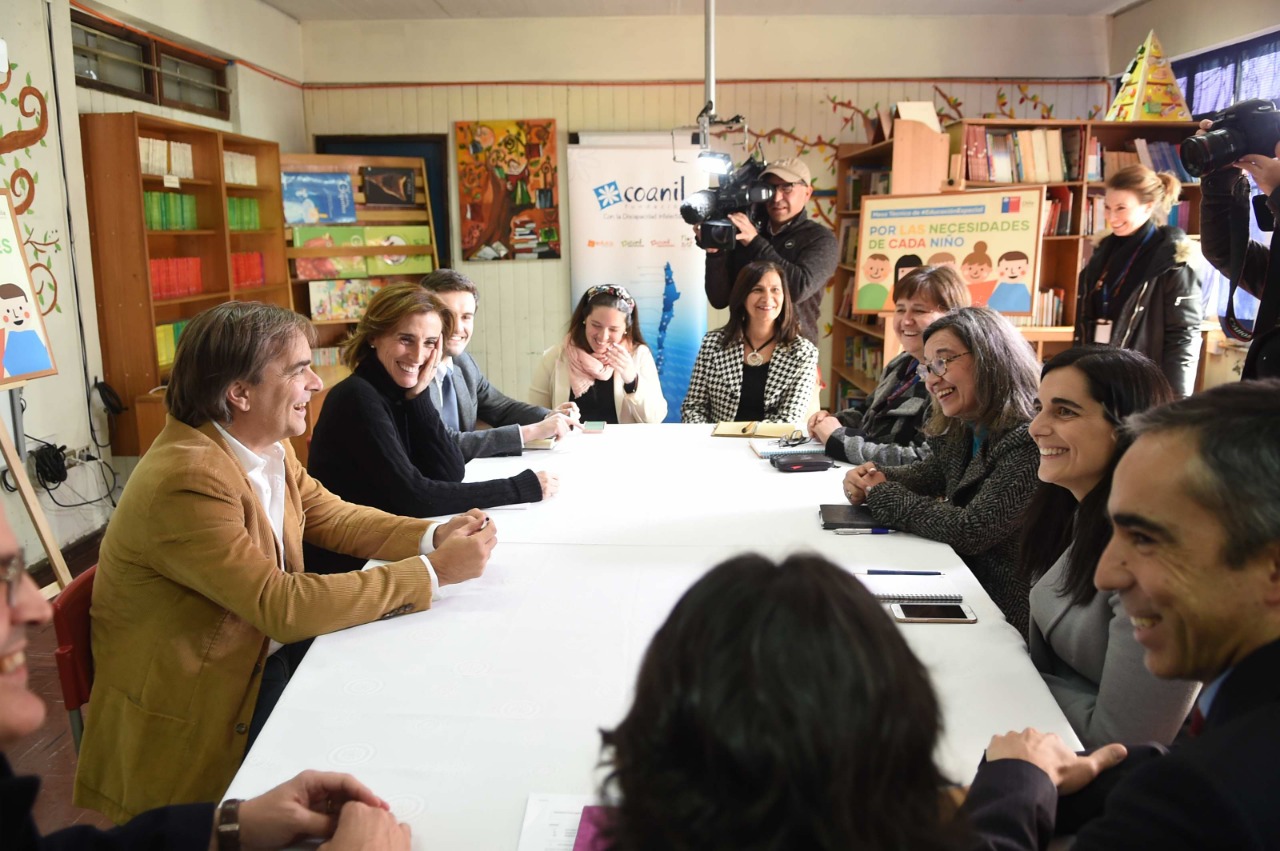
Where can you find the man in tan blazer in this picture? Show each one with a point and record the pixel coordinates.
(200, 577)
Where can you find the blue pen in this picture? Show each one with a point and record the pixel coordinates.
(904, 572)
(876, 531)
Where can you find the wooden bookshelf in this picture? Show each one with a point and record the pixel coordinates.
(915, 160)
(330, 332)
(129, 310)
(1062, 256)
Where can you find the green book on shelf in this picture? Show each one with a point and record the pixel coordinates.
(393, 263)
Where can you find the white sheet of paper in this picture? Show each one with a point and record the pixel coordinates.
(551, 821)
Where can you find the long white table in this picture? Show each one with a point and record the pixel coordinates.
(455, 715)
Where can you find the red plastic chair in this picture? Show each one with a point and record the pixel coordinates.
(73, 656)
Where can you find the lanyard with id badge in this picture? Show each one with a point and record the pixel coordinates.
(1102, 325)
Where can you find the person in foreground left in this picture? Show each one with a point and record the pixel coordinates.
(730, 743)
(313, 804)
(1195, 558)
(201, 605)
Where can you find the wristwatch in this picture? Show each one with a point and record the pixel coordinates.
(227, 825)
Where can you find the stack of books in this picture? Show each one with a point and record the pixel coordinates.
(167, 341)
(241, 169)
(175, 277)
(1046, 310)
(248, 270)
(242, 214)
(169, 211)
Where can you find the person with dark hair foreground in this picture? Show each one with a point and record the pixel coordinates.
(1195, 558)
(757, 367)
(380, 442)
(201, 605)
(972, 490)
(1080, 640)
(888, 428)
(777, 707)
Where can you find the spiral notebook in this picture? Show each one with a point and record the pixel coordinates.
(911, 589)
(775, 449)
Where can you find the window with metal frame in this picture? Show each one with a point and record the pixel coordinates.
(128, 63)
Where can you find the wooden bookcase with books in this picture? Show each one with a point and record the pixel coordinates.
(1071, 159)
(913, 161)
(181, 218)
(335, 265)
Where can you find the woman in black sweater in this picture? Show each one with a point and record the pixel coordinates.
(379, 440)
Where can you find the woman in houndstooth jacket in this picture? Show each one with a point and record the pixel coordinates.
(757, 367)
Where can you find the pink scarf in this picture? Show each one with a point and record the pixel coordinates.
(584, 368)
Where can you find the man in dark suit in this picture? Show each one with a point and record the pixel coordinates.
(1195, 556)
(463, 396)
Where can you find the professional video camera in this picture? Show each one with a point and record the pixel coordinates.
(742, 192)
(1248, 127)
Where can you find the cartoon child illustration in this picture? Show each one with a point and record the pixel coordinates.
(874, 294)
(943, 258)
(976, 271)
(905, 264)
(24, 351)
(1012, 294)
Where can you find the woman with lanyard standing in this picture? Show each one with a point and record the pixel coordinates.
(1138, 291)
(888, 427)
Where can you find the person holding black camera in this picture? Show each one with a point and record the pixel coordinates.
(1224, 216)
(804, 249)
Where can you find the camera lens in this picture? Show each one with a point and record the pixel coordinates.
(1212, 151)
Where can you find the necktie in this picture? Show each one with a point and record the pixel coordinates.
(1197, 722)
(448, 402)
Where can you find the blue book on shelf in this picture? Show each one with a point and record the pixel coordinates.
(312, 198)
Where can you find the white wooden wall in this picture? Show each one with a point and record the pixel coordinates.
(524, 306)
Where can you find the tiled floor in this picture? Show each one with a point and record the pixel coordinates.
(49, 752)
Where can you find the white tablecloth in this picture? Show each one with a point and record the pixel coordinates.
(455, 715)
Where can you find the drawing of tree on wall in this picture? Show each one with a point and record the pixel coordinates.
(507, 189)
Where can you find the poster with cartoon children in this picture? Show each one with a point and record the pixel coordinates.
(24, 343)
(992, 237)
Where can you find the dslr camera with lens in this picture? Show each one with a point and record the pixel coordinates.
(1248, 127)
(742, 192)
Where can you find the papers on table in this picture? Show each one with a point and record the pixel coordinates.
(551, 821)
(910, 588)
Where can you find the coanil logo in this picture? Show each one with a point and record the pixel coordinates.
(609, 193)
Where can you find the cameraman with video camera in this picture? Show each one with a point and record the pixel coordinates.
(804, 249)
(1235, 141)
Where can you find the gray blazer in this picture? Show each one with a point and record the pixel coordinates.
(974, 502)
(1092, 664)
(480, 401)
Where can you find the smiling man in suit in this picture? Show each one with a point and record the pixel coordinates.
(464, 397)
(201, 604)
(1195, 557)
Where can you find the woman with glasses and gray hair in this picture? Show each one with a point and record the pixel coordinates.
(757, 368)
(972, 491)
(603, 363)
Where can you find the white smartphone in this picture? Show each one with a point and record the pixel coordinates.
(932, 613)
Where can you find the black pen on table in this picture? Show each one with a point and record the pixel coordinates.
(902, 572)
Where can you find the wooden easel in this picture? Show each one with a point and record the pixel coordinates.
(9, 228)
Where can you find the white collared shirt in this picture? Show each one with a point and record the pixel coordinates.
(266, 476)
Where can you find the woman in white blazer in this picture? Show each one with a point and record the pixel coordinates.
(603, 364)
(757, 367)
(1080, 638)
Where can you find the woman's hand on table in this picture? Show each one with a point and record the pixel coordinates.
(859, 481)
(550, 483)
(822, 425)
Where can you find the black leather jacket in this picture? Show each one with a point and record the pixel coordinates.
(1161, 317)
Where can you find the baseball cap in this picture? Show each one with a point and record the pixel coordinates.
(791, 170)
